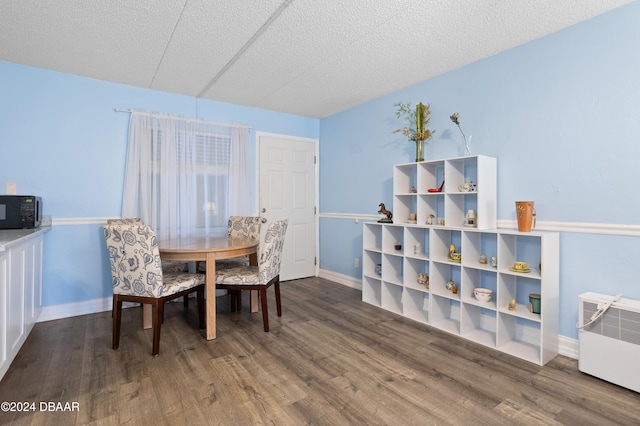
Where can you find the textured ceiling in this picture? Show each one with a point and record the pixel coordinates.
(305, 57)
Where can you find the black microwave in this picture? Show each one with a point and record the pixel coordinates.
(20, 211)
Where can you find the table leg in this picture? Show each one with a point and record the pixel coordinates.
(146, 316)
(210, 291)
(253, 294)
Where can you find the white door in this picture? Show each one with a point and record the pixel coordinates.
(287, 189)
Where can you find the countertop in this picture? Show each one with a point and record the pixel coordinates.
(11, 237)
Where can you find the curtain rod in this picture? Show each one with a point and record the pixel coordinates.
(184, 117)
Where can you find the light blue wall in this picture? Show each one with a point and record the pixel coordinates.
(60, 138)
(562, 116)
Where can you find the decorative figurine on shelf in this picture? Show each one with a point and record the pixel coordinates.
(413, 190)
(454, 288)
(423, 279)
(430, 219)
(453, 256)
(450, 284)
(439, 189)
(385, 212)
(512, 304)
(494, 261)
(470, 218)
(483, 259)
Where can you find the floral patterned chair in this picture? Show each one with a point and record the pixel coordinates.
(167, 266)
(137, 276)
(238, 227)
(260, 277)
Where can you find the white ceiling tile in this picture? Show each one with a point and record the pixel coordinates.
(315, 58)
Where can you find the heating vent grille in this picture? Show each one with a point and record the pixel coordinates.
(610, 347)
(616, 323)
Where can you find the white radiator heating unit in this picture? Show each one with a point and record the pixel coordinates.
(610, 346)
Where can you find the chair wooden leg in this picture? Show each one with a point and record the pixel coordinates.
(276, 287)
(201, 310)
(158, 313)
(235, 300)
(265, 313)
(185, 300)
(117, 316)
(232, 300)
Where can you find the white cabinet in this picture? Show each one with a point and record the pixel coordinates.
(394, 256)
(20, 294)
(412, 182)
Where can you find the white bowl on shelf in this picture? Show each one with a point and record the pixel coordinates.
(482, 294)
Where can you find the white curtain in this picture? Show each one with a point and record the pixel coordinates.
(186, 176)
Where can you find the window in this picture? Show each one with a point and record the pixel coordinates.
(181, 174)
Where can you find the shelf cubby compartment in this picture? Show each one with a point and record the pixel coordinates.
(403, 205)
(482, 171)
(430, 175)
(392, 235)
(431, 204)
(518, 288)
(478, 324)
(521, 247)
(413, 267)
(441, 241)
(370, 260)
(460, 170)
(404, 178)
(476, 243)
(416, 305)
(457, 206)
(392, 268)
(372, 291)
(416, 242)
(440, 274)
(445, 314)
(391, 297)
(472, 278)
(519, 337)
(372, 236)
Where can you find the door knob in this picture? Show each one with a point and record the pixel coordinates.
(264, 210)
(264, 220)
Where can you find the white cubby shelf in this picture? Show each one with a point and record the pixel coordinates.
(390, 275)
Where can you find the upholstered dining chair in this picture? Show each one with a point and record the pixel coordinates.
(238, 227)
(260, 277)
(167, 266)
(137, 276)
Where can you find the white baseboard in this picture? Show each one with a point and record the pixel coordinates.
(50, 313)
(341, 279)
(568, 347)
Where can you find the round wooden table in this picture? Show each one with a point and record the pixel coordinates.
(209, 249)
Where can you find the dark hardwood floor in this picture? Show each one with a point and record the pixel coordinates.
(330, 360)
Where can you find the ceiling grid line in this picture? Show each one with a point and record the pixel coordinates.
(166, 47)
(246, 46)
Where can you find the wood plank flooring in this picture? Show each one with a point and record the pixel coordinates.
(329, 360)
